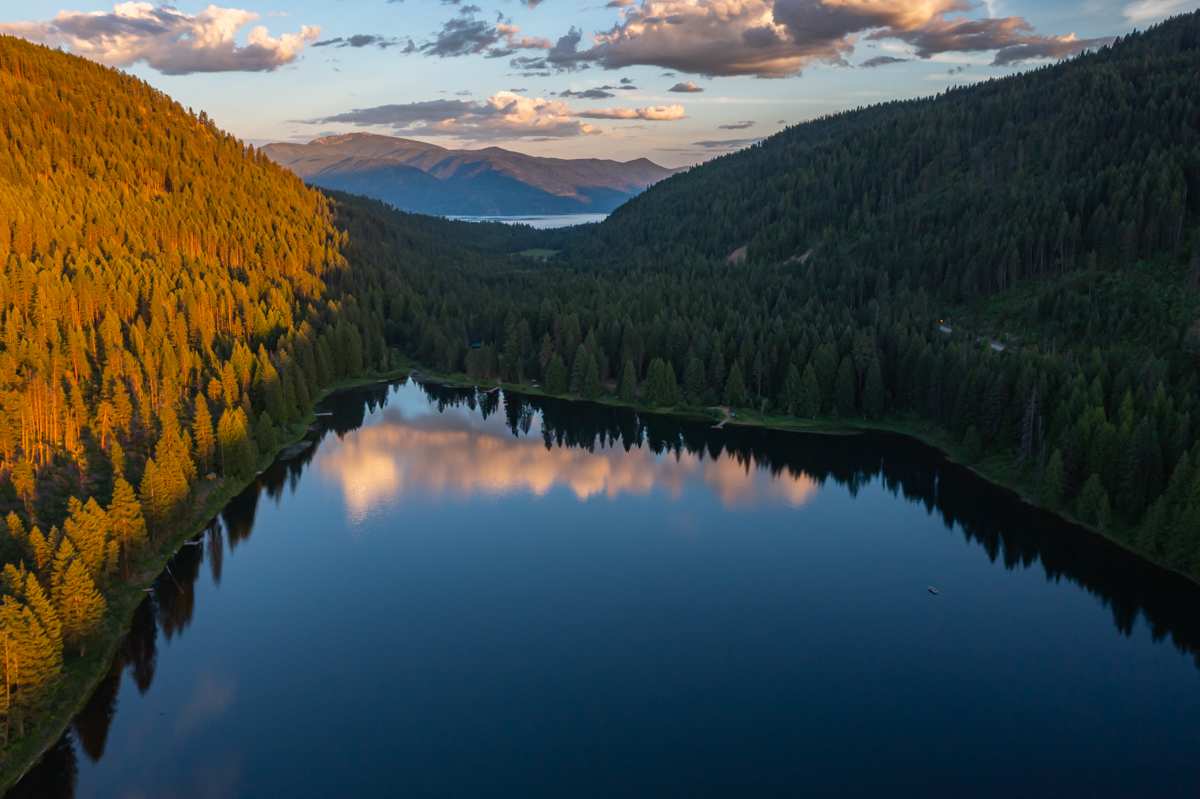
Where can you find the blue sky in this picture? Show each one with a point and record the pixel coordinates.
(566, 78)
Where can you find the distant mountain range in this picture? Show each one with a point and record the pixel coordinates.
(426, 178)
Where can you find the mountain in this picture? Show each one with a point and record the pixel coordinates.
(425, 178)
(1090, 162)
(1009, 270)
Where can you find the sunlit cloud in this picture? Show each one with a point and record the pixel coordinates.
(654, 113)
(168, 40)
(448, 455)
(504, 115)
(779, 38)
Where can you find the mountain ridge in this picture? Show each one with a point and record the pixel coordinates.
(427, 178)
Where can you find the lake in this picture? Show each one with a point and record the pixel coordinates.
(462, 595)
(541, 222)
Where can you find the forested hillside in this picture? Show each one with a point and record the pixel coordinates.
(169, 300)
(1093, 163)
(1011, 269)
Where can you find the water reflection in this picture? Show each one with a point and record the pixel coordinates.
(452, 453)
(459, 443)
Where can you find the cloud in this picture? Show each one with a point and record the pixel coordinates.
(686, 87)
(779, 38)
(168, 40)
(588, 94)
(1053, 47)
(1150, 10)
(563, 56)
(746, 123)
(465, 34)
(504, 115)
(882, 60)
(1012, 38)
(656, 113)
(724, 144)
(359, 40)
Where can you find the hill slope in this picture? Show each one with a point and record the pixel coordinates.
(425, 178)
(1093, 162)
(170, 303)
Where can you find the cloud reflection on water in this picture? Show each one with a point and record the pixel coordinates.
(453, 453)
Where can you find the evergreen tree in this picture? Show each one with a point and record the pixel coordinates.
(80, 605)
(556, 376)
(735, 388)
(808, 402)
(694, 381)
(125, 518)
(203, 435)
(874, 398)
(846, 396)
(1053, 480)
(628, 391)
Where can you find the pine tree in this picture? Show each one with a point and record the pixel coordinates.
(874, 398)
(591, 378)
(202, 435)
(1092, 506)
(694, 381)
(735, 387)
(80, 605)
(579, 370)
(628, 391)
(38, 661)
(556, 376)
(846, 393)
(791, 390)
(1053, 480)
(125, 519)
(264, 432)
(809, 400)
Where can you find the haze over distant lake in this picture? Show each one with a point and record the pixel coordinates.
(541, 222)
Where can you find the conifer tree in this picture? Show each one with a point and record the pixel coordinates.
(39, 661)
(846, 394)
(80, 604)
(809, 402)
(1053, 480)
(556, 376)
(203, 435)
(735, 387)
(628, 390)
(125, 519)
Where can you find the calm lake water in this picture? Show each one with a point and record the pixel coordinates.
(541, 222)
(497, 596)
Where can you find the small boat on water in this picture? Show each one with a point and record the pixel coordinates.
(933, 590)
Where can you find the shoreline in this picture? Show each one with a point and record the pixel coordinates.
(995, 470)
(83, 674)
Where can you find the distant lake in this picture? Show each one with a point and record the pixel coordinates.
(454, 594)
(542, 222)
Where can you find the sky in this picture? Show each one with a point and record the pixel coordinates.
(676, 81)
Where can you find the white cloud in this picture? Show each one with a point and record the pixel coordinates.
(505, 115)
(654, 113)
(168, 40)
(1150, 10)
